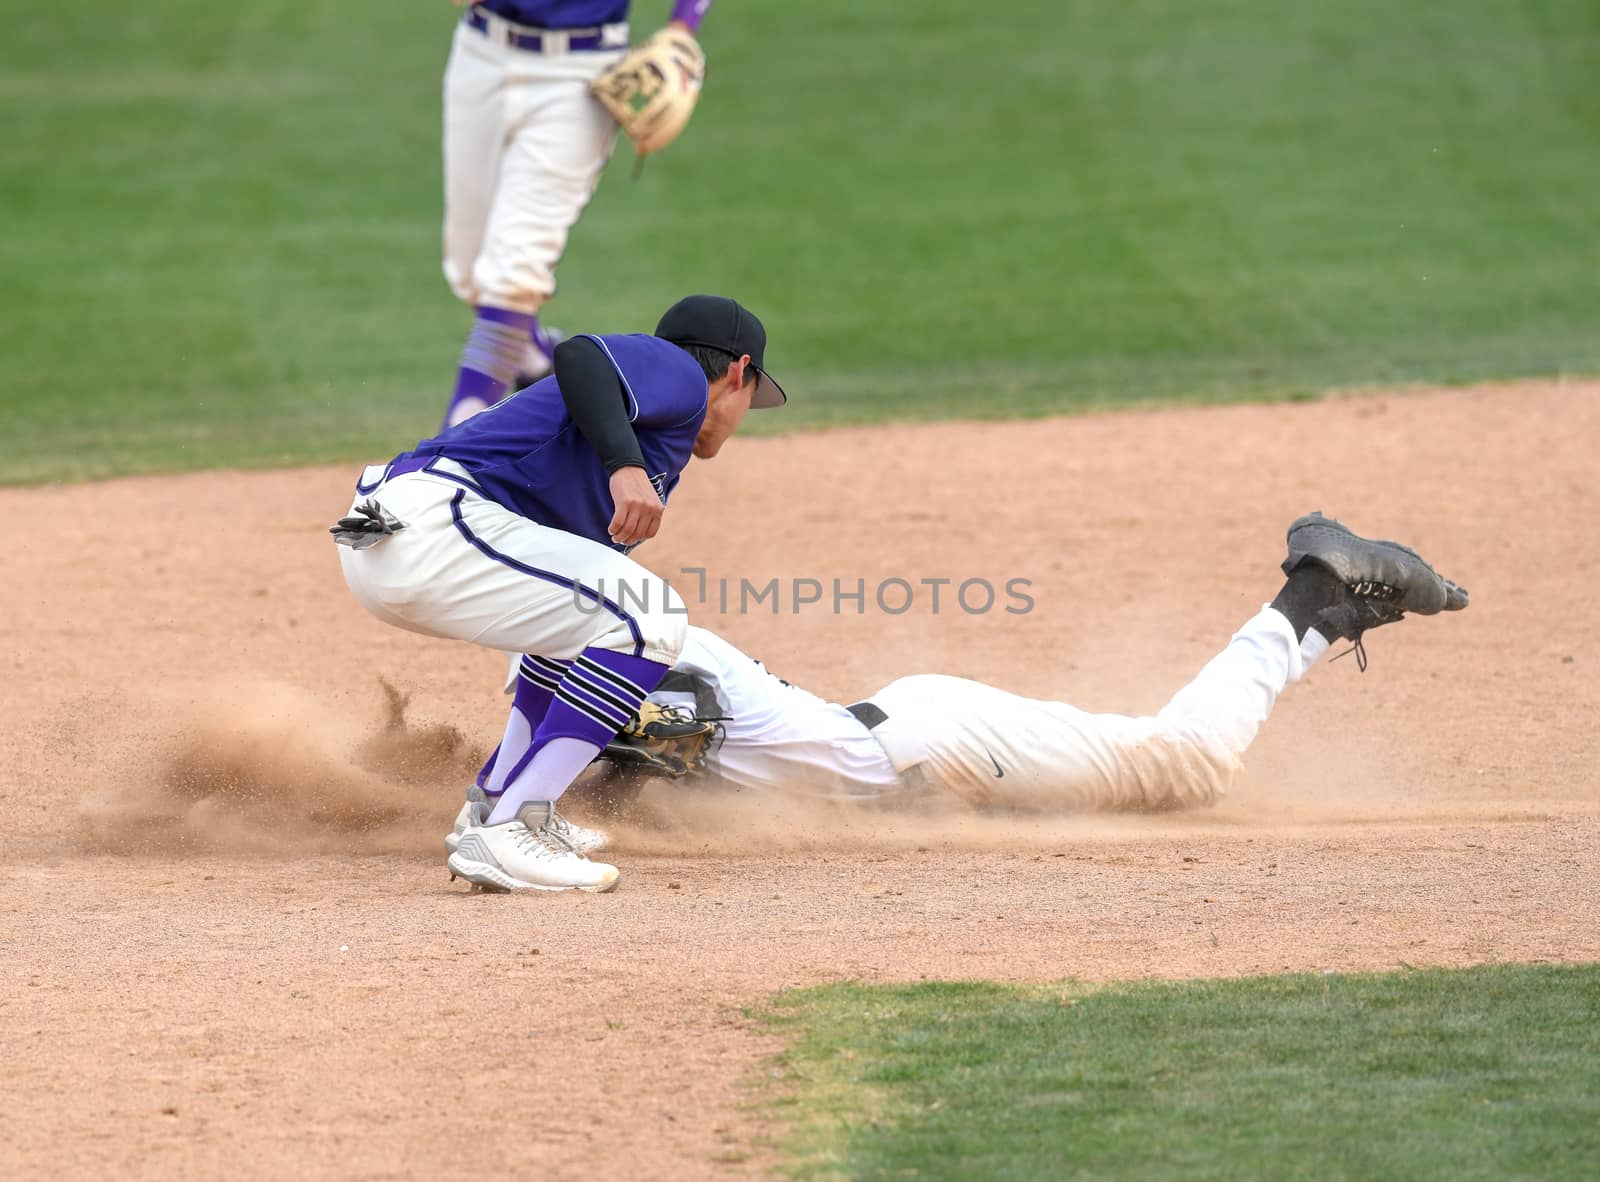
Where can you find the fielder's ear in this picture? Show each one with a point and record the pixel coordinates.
(745, 374)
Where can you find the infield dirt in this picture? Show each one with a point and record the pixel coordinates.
(230, 946)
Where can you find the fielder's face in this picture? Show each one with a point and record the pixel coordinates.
(728, 401)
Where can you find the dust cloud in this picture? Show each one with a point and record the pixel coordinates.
(274, 769)
(277, 770)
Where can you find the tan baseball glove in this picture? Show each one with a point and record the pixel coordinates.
(667, 741)
(652, 92)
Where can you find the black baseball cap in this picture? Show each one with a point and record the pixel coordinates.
(716, 322)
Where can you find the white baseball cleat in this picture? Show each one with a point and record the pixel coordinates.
(477, 806)
(527, 854)
(472, 813)
(580, 837)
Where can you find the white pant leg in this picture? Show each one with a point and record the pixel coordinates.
(1226, 703)
(500, 580)
(999, 750)
(475, 133)
(776, 736)
(521, 193)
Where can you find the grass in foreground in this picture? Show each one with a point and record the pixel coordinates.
(1489, 1073)
(221, 223)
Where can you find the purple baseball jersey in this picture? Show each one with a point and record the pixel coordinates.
(585, 14)
(559, 14)
(526, 453)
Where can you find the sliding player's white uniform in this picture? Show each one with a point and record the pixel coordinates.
(989, 747)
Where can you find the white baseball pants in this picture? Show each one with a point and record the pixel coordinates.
(524, 145)
(996, 749)
(465, 568)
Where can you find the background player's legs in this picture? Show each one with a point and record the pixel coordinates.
(560, 139)
(476, 124)
(475, 130)
(538, 356)
(489, 361)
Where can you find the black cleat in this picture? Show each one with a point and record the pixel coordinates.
(1381, 581)
(1383, 573)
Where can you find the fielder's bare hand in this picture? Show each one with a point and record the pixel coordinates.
(638, 506)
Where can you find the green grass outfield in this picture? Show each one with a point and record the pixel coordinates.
(1489, 1073)
(220, 222)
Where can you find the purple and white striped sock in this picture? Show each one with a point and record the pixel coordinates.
(544, 342)
(593, 701)
(488, 361)
(599, 694)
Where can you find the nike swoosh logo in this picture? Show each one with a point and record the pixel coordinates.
(999, 772)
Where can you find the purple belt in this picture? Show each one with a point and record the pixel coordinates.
(537, 40)
(411, 464)
(454, 473)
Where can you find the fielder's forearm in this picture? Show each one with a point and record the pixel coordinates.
(689, 13)
(597, 402)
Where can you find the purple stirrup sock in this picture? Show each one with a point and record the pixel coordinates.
(598, 695)
(537, 678)
(482, 779)
(592, 703)
(488, 361)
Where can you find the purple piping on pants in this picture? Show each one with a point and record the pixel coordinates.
(548, 576)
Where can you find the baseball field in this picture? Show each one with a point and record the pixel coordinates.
(1096, 295)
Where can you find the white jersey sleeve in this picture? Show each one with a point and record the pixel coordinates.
(777, 735)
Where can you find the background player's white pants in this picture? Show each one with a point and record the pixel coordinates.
(468, 569)
(997, 749)
(524, 145)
